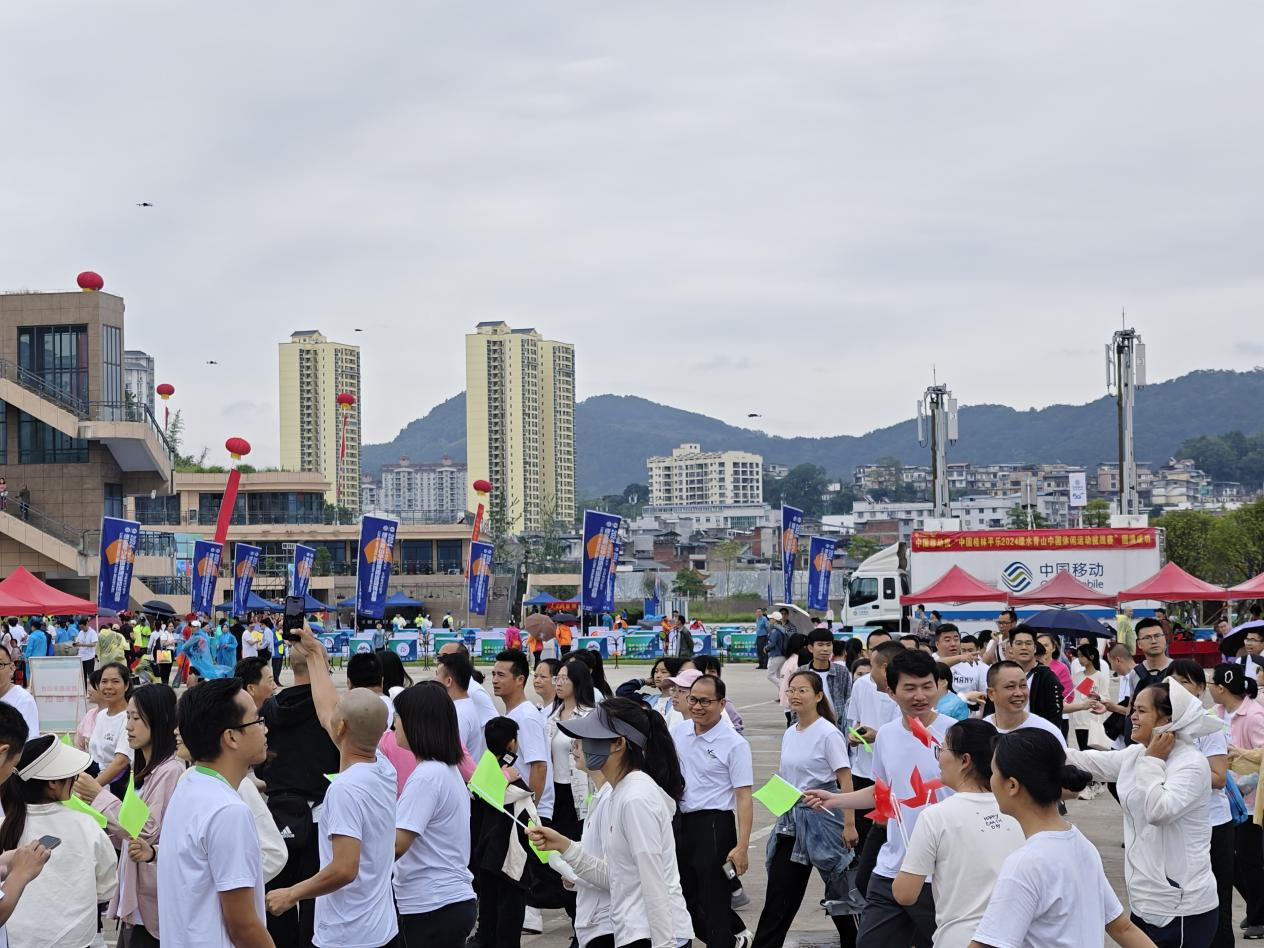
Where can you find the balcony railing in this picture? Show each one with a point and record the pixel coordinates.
(36, 383)
(131, 411)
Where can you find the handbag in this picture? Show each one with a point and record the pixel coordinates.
(1114, 726)
(1237, 803)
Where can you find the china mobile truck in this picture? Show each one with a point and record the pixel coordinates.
(1014, 561)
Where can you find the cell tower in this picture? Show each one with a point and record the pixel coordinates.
(937, 411)
(1125, 373)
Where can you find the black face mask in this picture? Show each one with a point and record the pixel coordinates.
(596, 751)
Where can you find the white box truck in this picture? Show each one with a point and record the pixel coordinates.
(1014, 561)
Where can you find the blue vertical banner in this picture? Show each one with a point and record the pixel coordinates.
(480, 577)
(601, 532)
(820, 566)
(119, 539)
(245, 562)
(791, 524)
(206, 559)
(373, 565)
(304, 559)
(614, 565)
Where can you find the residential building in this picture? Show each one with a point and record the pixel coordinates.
(975, 513)
(370, 495)
(433, 493)
(520, 423)
(1105, 482)
(776, 471)
(138, 377)
(317, 434)
(690, 476)
(71, 443)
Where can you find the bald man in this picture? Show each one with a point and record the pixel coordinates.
(354, 902)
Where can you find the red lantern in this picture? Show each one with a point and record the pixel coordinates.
(89, 281)
(345, 400)
(165, 390)
(482, 487)
(237, 447)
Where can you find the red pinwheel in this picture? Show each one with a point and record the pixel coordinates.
(883, 809)
(923, 791)
(920, 732)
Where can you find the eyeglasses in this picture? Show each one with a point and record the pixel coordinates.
(6, 664)
(242, 727)
(695, 701)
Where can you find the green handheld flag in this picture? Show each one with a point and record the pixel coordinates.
(331, 777)
(65, 739)
(860, 737)
(74, 803)
(542, 856)
(778, 795)
(134, 811)
(487, 782)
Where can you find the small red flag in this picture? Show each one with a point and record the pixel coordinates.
(1085, 687)
(920, 732)
(883, 809)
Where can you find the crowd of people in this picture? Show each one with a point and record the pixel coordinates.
(930, 775)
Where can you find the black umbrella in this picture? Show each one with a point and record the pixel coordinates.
(156, 607)
(1071, 622)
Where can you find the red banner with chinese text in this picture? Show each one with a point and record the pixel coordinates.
(956, 541)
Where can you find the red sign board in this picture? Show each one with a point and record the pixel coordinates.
(956, 541)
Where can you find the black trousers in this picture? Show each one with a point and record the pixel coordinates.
(1248, 869)
(88, 665)
(761, 649)
(874, 841)
(706, 838)
(1222, 869)
(862, 825)
(502, 905)
(294, 928)
(446, 927)
(1190, 931)
(136, 936)
(886, 922)
(787, 881)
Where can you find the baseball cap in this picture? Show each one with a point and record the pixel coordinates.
(58, 762)
(686, 678)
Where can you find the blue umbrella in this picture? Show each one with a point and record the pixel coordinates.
(1070, 622)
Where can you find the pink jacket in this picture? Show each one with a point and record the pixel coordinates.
(783, 682)
(138, 882)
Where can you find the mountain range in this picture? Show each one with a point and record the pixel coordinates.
(616, 433)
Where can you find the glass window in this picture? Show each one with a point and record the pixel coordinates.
(40, 444)
(4, 433)
(112, 364)
(863, 589)
(418, 556)
(113, 500)
(449, 555)
(158, 510)
(57, 355)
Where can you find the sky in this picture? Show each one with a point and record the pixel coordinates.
(803, 211)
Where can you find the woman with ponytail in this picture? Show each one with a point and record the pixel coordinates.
(1052, 891)
(1235, 693)
(630, 746)
(1164, 787)
(960, 843)
(814, 756)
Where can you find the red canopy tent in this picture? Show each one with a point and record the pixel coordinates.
(956, 585)
(1062, 589)
(1171, 584)
(24, 594)
(1251, 589)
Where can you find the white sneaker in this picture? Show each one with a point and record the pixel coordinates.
(532, 921)
(745, 938)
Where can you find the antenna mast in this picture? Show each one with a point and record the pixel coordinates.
(937, 410)
(1125, 373)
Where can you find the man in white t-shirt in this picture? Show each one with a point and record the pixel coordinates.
(478, 689)
(509, 681)
(354, 900)
(210, 871)
(869, 708)
(1007, 690)
(906, 744)
(454, 672)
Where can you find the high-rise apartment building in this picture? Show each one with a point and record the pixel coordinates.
(316, 433)
(138, 377)
(434, 493)
(520, 422)
(691, 476)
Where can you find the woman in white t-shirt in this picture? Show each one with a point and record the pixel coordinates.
(434, 889)
(961, 842)
(1052, 891)
(108, 745)
(814, 755)
(15, 695)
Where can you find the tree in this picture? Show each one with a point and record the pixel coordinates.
(322, 564)
(1097, 513)
(1018, 517)
(862, 547)
(727, 552)
(689, 583)
(804, 487)
(841, 501)
(1188, 538)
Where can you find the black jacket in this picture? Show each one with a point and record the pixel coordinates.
(1045, 695)
(300, 751)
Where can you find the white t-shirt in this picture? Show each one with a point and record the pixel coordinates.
(390, 710)
(969, 676)
(471, 718)
(87, 642)
(360, 804)
(812, 756)
(895, 753)
(713, 764)
(109, 737)
(21, 699)
(251, 640)
(434, 872)
(1212, 745)
(1125, 692)
(872, 708)
(1051, 893)
(478, 694)
(592, 903)
(533, 747)
(961, 844)
(209, 845)
(1033, 721)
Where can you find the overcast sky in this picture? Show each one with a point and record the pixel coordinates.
(795, 209)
